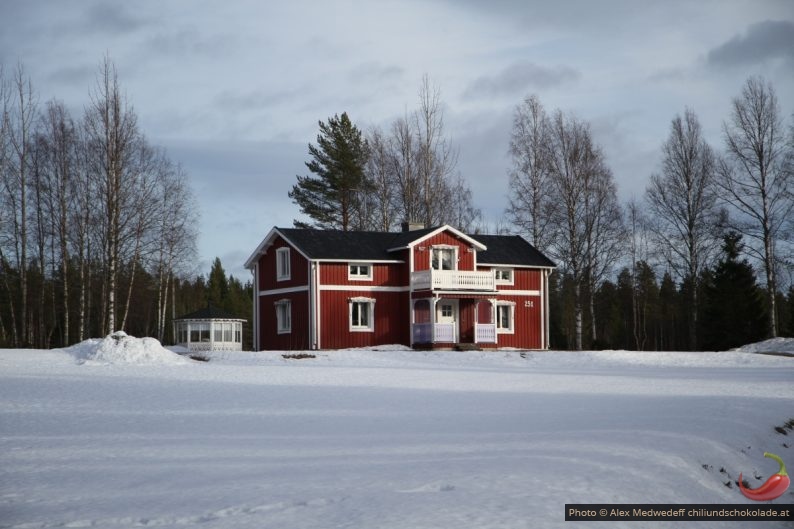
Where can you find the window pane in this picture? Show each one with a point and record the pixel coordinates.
(364, 314)
(355, 316)
(446, 259)
(503, 316)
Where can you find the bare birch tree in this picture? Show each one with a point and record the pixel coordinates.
(59, 140)
(379, 173)
(604, 228)
(405, 171)
(638, 233)
(112, 133)
(755, 181)
(20, 112)
(683, 202)
(436, 159)
(569, 157)
(529, 199)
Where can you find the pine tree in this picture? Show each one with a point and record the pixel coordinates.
(735, 313)
(333, 198)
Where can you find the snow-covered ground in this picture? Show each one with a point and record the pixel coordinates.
(121, 433)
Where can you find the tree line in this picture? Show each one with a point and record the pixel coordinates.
(97, 225)
(651, 274)
(666, 271)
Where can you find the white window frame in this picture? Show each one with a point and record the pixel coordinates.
(444, 247)
(370, 304)
(283, 316)
(358, 276)
(501, 281)
(283, 264)
(511, 308)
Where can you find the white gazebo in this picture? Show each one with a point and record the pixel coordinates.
(209, 329)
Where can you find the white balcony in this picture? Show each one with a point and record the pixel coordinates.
(453, 280)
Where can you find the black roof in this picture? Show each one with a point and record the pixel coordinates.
(375, 246)
(510, 250)
(209, 313)
(336, 244)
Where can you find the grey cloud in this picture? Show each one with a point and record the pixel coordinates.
(190, 41)
(79, 75)
(112, 18)
(376, 72)
(518, 78)
(769, 39)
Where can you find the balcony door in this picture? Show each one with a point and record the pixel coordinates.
(444, 258)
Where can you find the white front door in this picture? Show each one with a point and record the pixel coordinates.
(447, 318)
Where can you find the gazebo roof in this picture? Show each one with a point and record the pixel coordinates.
(210, 313)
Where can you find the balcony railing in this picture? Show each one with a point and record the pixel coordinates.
(445, 333)
(453, 280)
(434, 332)
(484, 333)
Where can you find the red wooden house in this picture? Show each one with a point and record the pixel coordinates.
(432, 287)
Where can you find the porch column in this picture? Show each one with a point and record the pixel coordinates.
(432, 307)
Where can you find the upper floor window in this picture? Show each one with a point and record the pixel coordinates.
(359, 272)
(282, 264)
(444, 258)
(504, 276)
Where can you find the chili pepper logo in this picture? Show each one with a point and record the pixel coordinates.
(773, 488)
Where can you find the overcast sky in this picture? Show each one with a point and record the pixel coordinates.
(234, 89)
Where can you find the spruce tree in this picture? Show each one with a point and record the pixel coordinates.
(217, 287)
(735, 312)
(333, 197)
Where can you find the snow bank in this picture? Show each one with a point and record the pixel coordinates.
(120, 348)
(773, 345)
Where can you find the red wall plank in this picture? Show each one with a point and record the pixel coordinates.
(390, 320)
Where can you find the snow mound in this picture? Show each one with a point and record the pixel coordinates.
(773, 345)
(120, 348)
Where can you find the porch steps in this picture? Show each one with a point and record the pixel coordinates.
(467, 347)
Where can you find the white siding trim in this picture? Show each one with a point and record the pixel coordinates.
(279, 291)
(508, 292)
(363, 288)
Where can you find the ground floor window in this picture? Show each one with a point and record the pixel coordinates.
(283, 316)
(361, 314)
(505, 316)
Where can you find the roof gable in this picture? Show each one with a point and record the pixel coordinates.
(412, 238)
